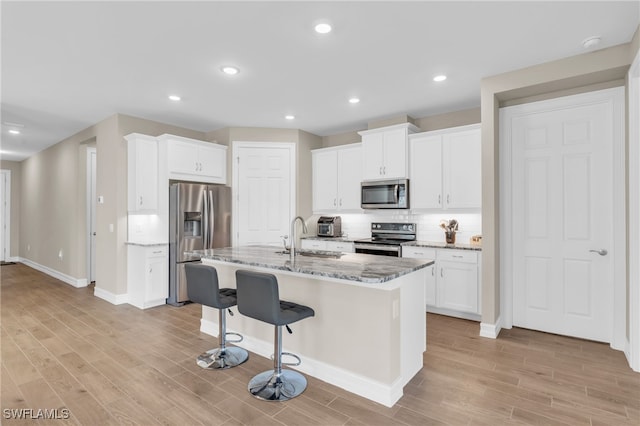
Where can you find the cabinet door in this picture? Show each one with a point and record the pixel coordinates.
(349, 178)
(426, 172)
(213, 162)
(430, 286)
(340, 246)
(308, 244)
(394, 165)
(372, 152)
(325, 181)
(157, 286)
(458, 286)
(462, 165)
(143, 179)
(183, 157)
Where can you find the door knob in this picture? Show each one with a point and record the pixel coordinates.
(601, 252)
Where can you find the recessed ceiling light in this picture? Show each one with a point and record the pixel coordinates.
(289, 117)
(591, 42)
(230, 70)
(174, 97)
(14, 132)
(354, 100)
(440, 77)
(323, 28)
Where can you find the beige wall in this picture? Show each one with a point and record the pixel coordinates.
(557, 78)
(15, 168)
(53, 206)
(433, 122)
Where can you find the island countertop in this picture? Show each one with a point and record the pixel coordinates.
(363, 268)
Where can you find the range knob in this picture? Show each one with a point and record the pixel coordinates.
(404, 227)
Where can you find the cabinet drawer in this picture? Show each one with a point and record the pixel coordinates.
(419, 252)
(313, 245)
(343, 247)
(466, 256)
(159, 251)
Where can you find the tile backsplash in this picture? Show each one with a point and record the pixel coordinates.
(358, 226)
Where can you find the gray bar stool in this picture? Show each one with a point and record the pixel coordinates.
(202, 287)
(258, 298)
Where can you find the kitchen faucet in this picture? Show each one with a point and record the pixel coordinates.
(292, 249)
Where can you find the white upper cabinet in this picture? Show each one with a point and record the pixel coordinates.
(194, 160)
(337, 173)
(385, 151)
(445, 169)
(142, 167)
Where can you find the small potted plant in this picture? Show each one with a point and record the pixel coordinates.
(450, 227)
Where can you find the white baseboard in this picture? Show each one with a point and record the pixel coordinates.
(75, 282)
(490, 331)
(386, 395)
(114, 299)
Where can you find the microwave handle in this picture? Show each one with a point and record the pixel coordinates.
(397, 193)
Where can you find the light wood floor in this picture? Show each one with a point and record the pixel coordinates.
(63, 347)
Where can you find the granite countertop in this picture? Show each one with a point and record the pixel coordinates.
(458, 246)
(145, 243)
(363, 268)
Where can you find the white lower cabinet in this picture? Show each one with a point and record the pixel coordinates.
(147, 275)
(324, 245)
(452, 285)
(341, 246)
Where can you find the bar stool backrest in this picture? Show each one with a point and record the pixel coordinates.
(258, 296)
(202, 285)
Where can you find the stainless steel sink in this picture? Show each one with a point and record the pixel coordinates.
(314, 253)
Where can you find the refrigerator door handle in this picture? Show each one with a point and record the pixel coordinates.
(205, 221)
(211, 219)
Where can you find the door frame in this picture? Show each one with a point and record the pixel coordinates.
(632, 349)
(616, 97)
(235, 179)
(90, 205)
(6, 215)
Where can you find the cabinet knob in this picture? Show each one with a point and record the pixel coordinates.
(439, 199)
(447, 199)
(141, 200)
(340, 202)
(441, 272)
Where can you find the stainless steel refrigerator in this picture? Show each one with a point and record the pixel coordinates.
(199, 218)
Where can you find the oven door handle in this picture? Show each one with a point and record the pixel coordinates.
(377, 247)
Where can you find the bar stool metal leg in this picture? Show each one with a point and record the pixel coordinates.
(223, 357)
(277, 384)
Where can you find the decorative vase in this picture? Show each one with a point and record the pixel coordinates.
(450, 237)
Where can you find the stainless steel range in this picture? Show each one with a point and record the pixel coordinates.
(387, 239)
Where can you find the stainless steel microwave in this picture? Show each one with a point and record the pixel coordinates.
(385, 194)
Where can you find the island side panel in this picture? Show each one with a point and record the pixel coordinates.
(354, 328)
(413, 324)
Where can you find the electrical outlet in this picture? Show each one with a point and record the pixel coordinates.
(111, 227)
(60, 256)
(28, 247)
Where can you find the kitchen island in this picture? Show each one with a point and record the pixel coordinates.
(369, 331)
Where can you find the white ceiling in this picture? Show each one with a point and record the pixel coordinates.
(69, 65)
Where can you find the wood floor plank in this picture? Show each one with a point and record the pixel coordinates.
(113, 364)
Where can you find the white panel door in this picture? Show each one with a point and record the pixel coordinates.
(3, 217)
(562, 216)
(264, 195)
